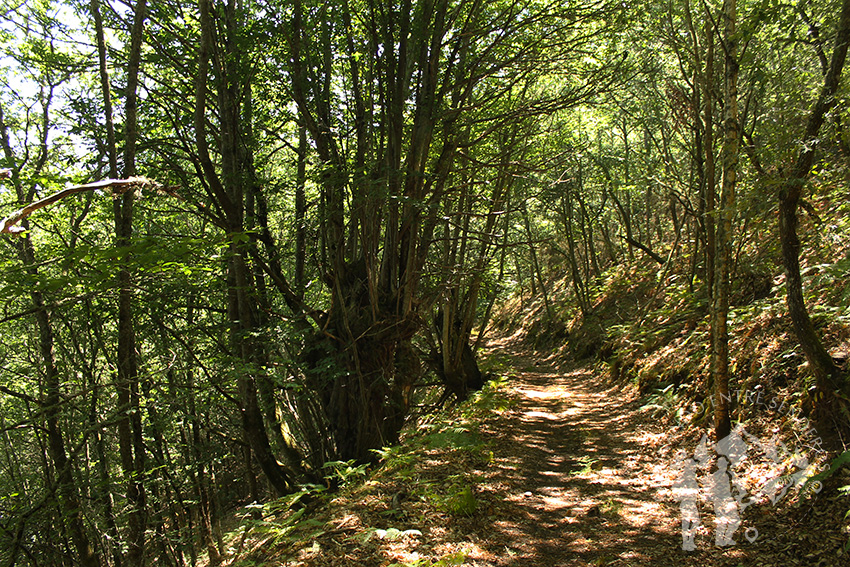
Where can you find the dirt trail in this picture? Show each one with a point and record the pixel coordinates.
(579, 475)
(582, 476)
(587, 477)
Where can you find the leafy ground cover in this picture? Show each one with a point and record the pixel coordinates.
(552, 465)
(572, 456)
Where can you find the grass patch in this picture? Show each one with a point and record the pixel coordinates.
(588, 466)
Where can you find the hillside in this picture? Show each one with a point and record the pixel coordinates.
(555, 464)
(572, 455)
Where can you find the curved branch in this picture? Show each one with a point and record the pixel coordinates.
(118, 186)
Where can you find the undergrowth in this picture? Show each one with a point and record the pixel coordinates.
(647, 329)
(434, 472)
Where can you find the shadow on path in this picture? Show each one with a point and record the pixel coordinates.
(581, 480)
(579, 475)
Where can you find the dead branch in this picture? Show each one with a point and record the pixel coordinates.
(118, 187)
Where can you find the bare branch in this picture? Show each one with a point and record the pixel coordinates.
(118, 186)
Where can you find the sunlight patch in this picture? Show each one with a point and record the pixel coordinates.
(536, 394)
(650, 438)
(543, 414)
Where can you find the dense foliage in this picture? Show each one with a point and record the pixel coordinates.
(331, 198)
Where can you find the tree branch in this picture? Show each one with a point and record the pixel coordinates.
(118, 186)
(647, 250)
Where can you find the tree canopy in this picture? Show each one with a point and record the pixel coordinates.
(246, 239)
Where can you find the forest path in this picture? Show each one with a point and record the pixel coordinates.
(586, 476)
(577, 474)
(577, 461)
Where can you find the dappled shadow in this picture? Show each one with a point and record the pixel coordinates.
(579, 478)
(576, 473)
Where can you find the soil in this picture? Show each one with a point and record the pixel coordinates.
(576, 472)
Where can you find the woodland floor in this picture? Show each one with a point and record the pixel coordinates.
(577, 474)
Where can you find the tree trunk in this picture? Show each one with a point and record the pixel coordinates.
(708, 124)
(229, 189)
(575, 275)
(300, 214)
(197, 472)
(242, 326)
(68, 497)
(67, 493)
(827, 375)
(111, 149)
(720, 312)
(536, 272)
(105, 497)
(130, 442)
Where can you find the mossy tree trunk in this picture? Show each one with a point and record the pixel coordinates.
(723, 259)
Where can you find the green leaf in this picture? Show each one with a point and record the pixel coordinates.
(836, 464)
